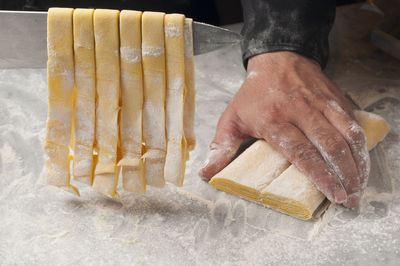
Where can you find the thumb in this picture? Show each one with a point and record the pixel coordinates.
(223, 147)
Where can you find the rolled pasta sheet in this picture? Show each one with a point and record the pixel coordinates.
(190, 96)
(85, 102)
(106, 32)
(133, 178)
(60, 80)
(154, 84)
(175, 162)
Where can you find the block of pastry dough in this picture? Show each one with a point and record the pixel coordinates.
(293, 193)
(85, 102)
(106, 32)
(133, 178)
(290, 191)
(60, 82)
(175, 161)
(189, 106)
(251, 172)
(154, 84)
(375, 127)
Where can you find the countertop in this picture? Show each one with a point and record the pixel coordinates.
(196, 224)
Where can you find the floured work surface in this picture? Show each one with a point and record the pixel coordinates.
(263, 175)
(195, 224)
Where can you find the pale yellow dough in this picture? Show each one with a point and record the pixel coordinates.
(154, 84)
(262, 175)
(106, 32)
(60, 80)
(175, 162)
(189, 106)
(103, 62)
(133, 178)
(85, 102)
(250, 173)
(374, 126)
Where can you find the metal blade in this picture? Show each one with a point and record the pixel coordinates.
(207, 38)
(23, 39)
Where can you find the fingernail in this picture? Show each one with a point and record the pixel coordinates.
(353, 201)
(340, 196)
(203, 177)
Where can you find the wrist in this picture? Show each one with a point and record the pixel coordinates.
(280, 59)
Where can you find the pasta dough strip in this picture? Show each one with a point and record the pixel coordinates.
(106, 32)
(85, 83)
(189, 106)
(153, 62)
(60, 79)
(252, 173)
(293, 193)
(174, 169)
(290, 191)
(132, 102)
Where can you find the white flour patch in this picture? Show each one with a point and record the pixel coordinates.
(188, 38)
(152, 51)
(252, 74)
(175, 84)
(336, 107)
(217, 152)
(171, 30)
(131, 55)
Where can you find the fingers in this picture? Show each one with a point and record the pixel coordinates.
(331, 145)
(355, 138)
(292, 143)
(223, 147)
(338, 112)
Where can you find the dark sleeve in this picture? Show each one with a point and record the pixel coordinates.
(301, 26)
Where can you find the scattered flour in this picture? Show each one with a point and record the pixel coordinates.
(131, 55)
(171, 30)
(171, 226)
(152, 51)
(252, 74)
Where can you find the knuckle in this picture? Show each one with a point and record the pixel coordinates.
(273, 113)
(302, 110)
(303, 152)
(301, 103)
(334, 145)
(355, 134)
(273, 133)
(319, 96)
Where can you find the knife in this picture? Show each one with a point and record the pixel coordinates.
(23, 36)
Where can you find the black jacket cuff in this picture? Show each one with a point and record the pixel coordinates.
(300, 26)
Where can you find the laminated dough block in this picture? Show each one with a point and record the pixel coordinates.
(60, 81)
(293, 193)
(374, 126)
(154, 88)
(189, 106)
(106, 32)
(175, 161)
(248, 174)
(133, 178)
(85, 101)
(288, 190)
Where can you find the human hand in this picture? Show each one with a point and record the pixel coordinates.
(287, 100)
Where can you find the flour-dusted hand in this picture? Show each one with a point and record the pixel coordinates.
(288, 101)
